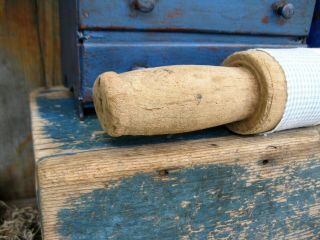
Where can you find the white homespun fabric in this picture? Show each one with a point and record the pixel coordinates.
(302, 70)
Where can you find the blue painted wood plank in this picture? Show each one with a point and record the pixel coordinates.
(232, 16)
(214, 185)
(205, 202)
(120, 52)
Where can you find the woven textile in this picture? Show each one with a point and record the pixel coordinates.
(302, 70)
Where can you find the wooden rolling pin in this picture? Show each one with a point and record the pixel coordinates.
(249, 93)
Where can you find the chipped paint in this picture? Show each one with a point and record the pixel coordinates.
(213, 203)
(265, 19)
(60, 129)
(78, 176)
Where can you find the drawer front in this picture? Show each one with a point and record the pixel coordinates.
(112, 51)
(314, 36)
(232, 16)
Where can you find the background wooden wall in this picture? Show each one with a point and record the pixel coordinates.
(29, 58)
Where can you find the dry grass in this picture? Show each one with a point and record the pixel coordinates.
(19, 223)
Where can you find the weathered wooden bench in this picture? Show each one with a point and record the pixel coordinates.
(208, 184)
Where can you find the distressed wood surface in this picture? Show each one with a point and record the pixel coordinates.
(16, 154)
(20, 70)
(48, 23)
(36, 45)
(149, 101)
(29, 58)
(203, 185)
(22, 43)
(234, 16)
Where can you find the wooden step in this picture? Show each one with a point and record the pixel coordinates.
(208, 184)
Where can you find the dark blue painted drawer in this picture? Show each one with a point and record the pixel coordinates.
(231, 16)
(119, 52)
(314, 37)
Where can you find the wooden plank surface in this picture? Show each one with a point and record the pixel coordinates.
(20, 70)
(29, 33)
(16, 153)
(22, 43)
(24, 65)
(208, 184)
(49, 39)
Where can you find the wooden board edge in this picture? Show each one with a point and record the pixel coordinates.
(65, 177)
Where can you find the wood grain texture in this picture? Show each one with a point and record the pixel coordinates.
(249, 93)
(16, 153)
(22, 43)
(23, 66)
(174, 99)
(272, 91)
(35, 46)
(20, 70)
(201, 185)
(49, 34)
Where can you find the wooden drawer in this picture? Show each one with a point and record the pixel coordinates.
(120, 52)
(232, 16)
(314, 36)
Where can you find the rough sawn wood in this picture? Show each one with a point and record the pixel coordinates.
(202, 185)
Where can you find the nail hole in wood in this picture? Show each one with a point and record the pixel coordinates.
(265, 162)
(272, 147)
(198, 97)
(163, 173)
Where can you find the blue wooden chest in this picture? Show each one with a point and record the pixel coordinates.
(121, 35)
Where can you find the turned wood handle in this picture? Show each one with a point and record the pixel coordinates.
(175, 99)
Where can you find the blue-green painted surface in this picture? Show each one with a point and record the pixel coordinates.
(214, 201)
(66, 128)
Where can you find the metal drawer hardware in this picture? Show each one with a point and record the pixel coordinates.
(284, 9)
(82, 37)
(144, 5)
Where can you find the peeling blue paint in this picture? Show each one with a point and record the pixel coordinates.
(66, 128)
(215, 201)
